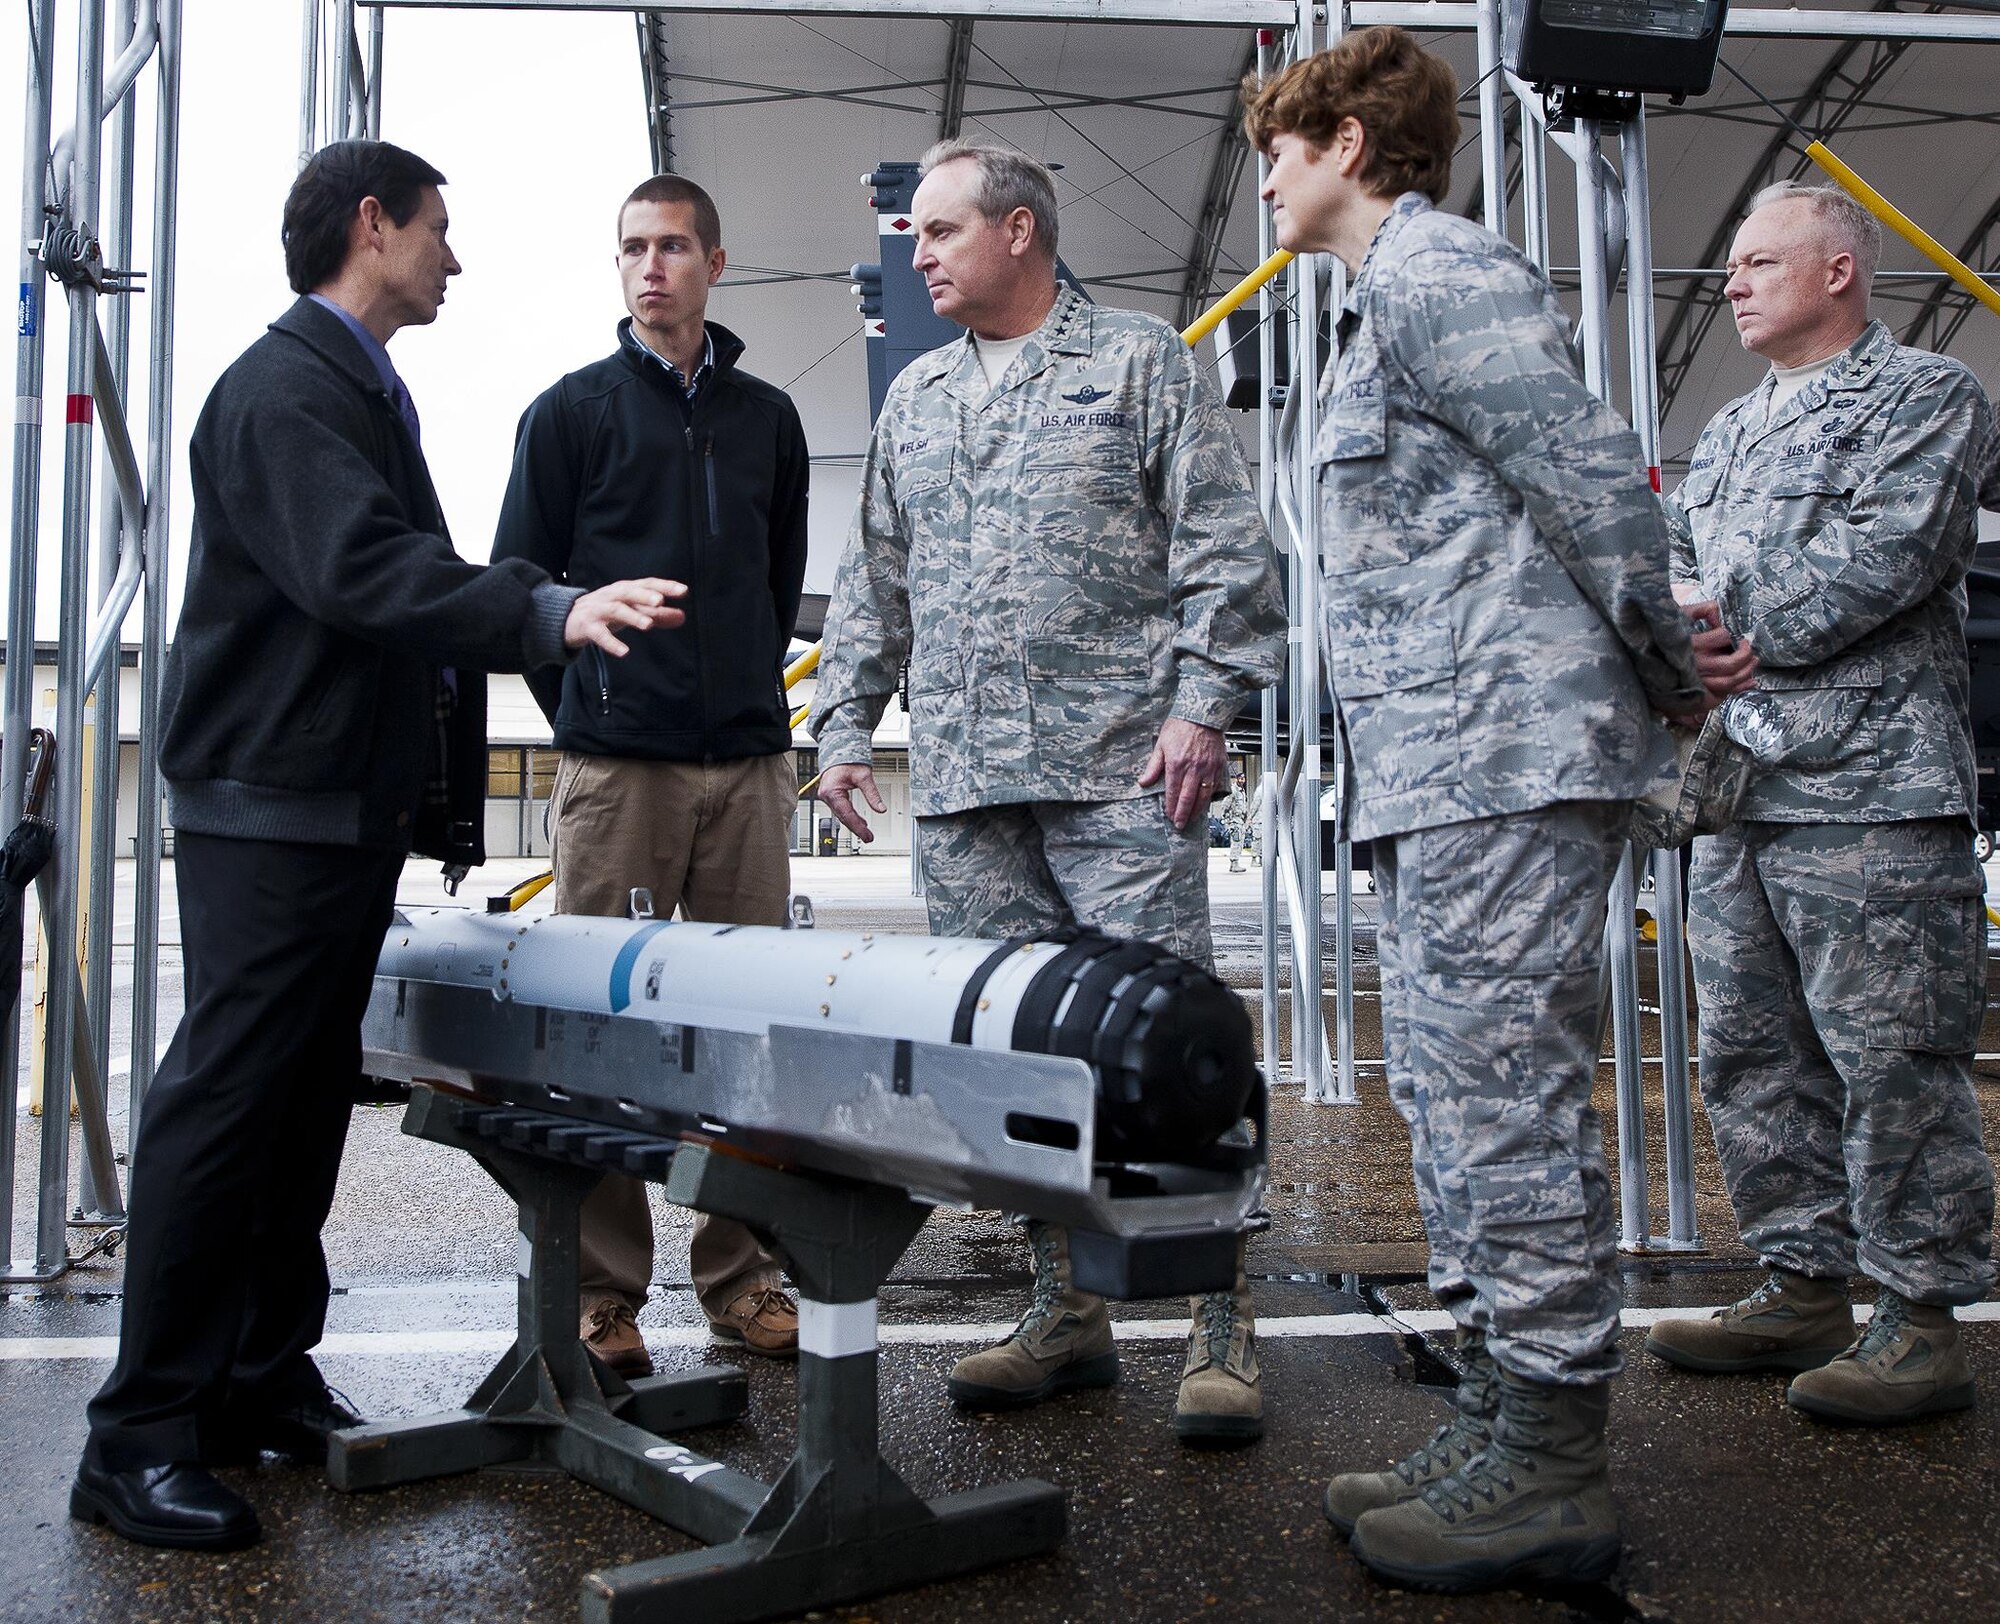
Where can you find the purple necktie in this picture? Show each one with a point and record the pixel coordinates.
(406, 408)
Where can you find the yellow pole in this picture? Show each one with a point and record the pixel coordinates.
(1906, 228)
(1212, 319)
(808, 662)
(801, 668)
(527, 891)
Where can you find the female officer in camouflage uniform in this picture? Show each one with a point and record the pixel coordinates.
(1502, 640)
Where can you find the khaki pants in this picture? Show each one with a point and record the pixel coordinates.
(712, 842)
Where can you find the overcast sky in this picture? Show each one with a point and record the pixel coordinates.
(538, 122)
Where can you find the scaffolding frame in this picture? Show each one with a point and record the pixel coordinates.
(131, 555)
(77, 228)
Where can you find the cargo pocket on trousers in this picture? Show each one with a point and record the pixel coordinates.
(1923, 926)
(1532, 1210)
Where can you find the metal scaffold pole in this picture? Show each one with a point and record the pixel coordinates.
(63, 201)
(1669, 920)
(1308, 1014)
(1621, 968)
(1290, 820)
(1614, 209)
(349, 116)
(24, 531)
(357, 68)
(309, 84)
(1492, 122)
(114, 536)
(159, 488)
(59, 1047)
(372, 123)
(1269, 767)
(1295, 788)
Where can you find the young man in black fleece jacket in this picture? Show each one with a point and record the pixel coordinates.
(676, 772)
(325, 717)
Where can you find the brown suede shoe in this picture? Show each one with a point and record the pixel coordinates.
(764, 1319)
(610, 1332)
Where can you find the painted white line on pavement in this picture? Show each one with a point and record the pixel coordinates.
(405, 1344)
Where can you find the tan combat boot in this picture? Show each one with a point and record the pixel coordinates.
(1535, 1503)
(1468, 1431)
(1062, 1342)
(1907, 1365)
(1791, 1322)
(1220, 1400)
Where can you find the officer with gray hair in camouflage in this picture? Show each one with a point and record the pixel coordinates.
(1839, 929)
(1056, 531)
(1504, 645)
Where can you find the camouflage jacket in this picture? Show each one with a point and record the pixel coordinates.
(1497, 616)
(1835, 537)
(1064, 565)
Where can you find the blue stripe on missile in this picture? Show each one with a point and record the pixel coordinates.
(628, 955)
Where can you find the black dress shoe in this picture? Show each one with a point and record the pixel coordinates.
(296, 1433)
(179, 1504)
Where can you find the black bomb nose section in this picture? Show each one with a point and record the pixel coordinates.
(1170, 1043)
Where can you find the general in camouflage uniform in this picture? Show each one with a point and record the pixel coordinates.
(1839, 930)
(1066, 561)
(1070, 559)
(1502, 641)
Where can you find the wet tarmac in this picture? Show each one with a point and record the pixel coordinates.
(1735, 1506)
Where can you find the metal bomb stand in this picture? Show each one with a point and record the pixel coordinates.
(825, 1089)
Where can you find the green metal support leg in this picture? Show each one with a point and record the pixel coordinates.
(839, 1524)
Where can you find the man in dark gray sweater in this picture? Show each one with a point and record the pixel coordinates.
(325, 718)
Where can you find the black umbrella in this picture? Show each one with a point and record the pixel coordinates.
(23, 856)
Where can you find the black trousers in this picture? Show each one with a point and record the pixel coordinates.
(239, 1143)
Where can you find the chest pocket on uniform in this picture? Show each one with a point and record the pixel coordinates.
(1361, 522)
(1080, 490)
(1827, 486)
(923, 471)
(1697, 491)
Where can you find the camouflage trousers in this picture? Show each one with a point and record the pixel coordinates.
(1841, 973)
(1491, 937)
(1034, 866)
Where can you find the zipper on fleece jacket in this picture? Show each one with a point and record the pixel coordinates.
(708, 473)
(701, 498)
(603, 680)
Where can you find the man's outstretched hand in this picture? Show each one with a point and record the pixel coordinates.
(640, 605)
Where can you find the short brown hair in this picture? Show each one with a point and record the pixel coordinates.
(679, 189)
(1402, 95)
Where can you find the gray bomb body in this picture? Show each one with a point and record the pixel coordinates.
(1098, 1083)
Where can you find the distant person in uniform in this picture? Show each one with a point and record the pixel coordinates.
(676, 771)
(325, 717)
(1236, 821)
(1056, 530)
(1503, 644)
(1839, 929)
